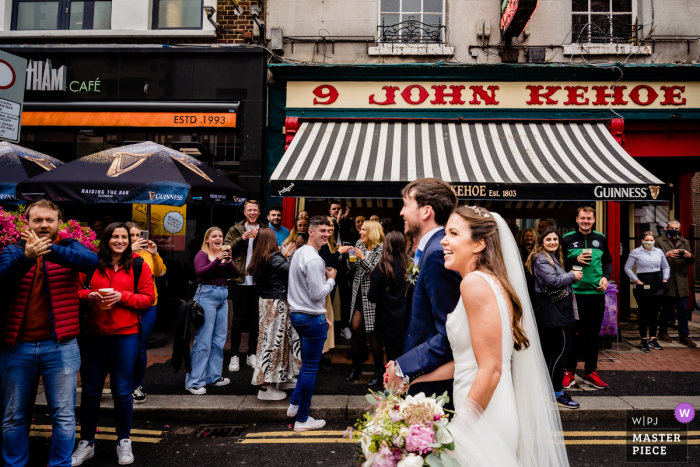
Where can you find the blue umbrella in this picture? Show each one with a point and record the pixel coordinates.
(17, 164)
(143, 173)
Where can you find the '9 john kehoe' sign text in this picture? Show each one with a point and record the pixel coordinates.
(506, 95)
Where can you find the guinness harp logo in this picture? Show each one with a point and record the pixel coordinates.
(124, 162)
(654, 191)
(191, 166)
(42, 162)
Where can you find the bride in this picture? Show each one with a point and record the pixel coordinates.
(506, 414)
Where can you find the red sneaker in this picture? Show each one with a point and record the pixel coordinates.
(569, 379)
(594, 380)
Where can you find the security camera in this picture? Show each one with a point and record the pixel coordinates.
(255, 10)
(210, 11)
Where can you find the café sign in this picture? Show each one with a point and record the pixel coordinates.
(489, 95)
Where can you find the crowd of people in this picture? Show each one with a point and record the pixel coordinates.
(283, 284)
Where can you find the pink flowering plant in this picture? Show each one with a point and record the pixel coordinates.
(404, 431)
(13, 223)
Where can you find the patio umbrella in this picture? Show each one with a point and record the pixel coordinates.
(17, 164)
(143, 173)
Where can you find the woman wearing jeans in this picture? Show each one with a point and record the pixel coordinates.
(554, 308)
(148, 251)
(119, 289)
(213, 267)
(650, 288)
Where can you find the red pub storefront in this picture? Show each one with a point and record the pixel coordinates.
(529, 141)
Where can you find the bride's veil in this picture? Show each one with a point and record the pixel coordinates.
(541, 441)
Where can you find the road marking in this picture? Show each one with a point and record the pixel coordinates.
(297, 441)
(107, 429)
(136, 439)
(294, 433)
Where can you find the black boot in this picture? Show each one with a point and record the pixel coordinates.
(354, 374)
(376, 379)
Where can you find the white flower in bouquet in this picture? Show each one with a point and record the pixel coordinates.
(411, 460)
(443, 436)
(421, 398)
(370, 459)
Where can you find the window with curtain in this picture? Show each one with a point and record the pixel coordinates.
(602, 21)
(411, 20)
(178, 14)
(61, 14)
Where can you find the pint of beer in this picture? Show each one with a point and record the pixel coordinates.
(104, 293)
(352, 256)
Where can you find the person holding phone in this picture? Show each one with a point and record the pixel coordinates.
(148, 251)
(676, 248)
(298, 235)
(243, 290)
(650, 283)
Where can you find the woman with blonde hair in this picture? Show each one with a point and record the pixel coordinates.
(363, 258)
(298, 235)
(213, 267)
(527, 243)
(506, 413)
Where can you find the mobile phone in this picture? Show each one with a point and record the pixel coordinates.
(347, 244)
(143, 234)
(304, 235)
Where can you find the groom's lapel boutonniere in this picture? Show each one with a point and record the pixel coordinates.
(412, 273)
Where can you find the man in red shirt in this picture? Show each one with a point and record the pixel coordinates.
(40, 327)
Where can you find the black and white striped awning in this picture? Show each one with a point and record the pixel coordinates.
(499, 161)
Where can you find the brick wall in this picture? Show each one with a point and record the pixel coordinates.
(234, 27)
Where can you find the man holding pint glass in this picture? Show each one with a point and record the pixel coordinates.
(588, 249)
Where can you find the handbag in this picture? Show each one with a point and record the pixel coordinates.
(193, 309)
(556, 296)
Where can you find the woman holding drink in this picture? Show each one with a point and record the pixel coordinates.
(213, 267)
(148, 251)
(119, 289)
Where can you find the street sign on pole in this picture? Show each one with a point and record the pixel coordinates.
(13, 74)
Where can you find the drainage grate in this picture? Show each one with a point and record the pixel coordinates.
(218, 431)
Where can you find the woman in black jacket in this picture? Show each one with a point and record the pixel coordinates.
(279, 349)
(554, 309)
(387, 289)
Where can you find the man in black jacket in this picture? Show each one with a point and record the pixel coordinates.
(342, 225)
(589, 249)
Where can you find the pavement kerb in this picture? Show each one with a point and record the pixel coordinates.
(248, 409)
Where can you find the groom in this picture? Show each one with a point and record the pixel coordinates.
(428, 203)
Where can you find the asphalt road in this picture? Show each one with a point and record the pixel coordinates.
(156, 444)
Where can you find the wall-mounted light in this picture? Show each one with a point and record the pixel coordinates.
(211, 11)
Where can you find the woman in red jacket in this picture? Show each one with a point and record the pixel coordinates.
(120, 288)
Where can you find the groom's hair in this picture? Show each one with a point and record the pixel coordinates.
(435, 193)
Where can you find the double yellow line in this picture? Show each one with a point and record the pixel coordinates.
(44, 431)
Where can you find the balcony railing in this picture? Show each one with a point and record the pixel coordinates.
(412, 32)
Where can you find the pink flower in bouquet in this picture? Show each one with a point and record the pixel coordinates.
(419, 438)
(385, 458)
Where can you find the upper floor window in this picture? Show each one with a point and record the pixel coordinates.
(412, 21)
(602, 21)
(178, 14)
(61, 14)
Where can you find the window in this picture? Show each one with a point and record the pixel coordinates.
(411, 21)
(602, 21)
(61, 14)
(178, 14)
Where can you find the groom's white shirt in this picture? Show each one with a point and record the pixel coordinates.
(426, 238)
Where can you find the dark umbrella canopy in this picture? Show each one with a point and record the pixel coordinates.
(144, 173)
(17, 164)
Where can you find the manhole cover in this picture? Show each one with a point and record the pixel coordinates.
(218, 431)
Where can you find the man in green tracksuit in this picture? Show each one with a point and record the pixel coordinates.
(589, 249)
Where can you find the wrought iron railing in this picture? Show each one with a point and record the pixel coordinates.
(412, 32)
(603, 29)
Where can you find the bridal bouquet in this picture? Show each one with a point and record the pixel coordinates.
(405, 431)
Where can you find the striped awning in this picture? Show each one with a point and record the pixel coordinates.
(499, 161)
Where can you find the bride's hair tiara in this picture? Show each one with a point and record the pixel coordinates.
(479, 211)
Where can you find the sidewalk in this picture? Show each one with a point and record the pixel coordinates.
(658, 380)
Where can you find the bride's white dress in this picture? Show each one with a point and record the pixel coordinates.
(501, 412)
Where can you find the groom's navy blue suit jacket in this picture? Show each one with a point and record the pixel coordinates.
(435, 295)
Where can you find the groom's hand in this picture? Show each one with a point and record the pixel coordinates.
(391, 380)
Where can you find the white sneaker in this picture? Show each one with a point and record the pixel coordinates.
(292, 410)
(271, 394)
(289, 384)
(234, 365)
(197, 390)
(309, 424)
(124, 453)
(252, 360)
(83, 452)
(220, 382)
(346, 333)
